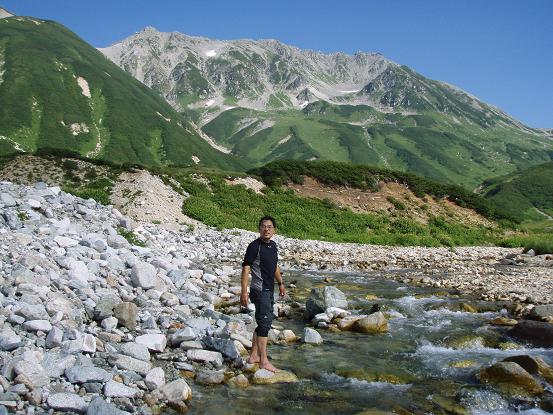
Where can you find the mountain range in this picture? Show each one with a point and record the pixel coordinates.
(171, 99)
(264, 100)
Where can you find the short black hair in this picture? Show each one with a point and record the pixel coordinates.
(264, 218)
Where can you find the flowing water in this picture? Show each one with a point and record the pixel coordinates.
(426, 363)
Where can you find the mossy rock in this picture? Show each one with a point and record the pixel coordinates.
(373, 324)
(503, 321)
(509, 346)
(463, 364)
(239, 381)
(449, 405)
(266, 377)
(468, 308)
(466, 342)
(511, 379)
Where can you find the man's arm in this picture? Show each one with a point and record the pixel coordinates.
(244, 284)
(278, 277)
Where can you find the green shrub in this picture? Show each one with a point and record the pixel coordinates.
(130, 237)
(99, 195)
(396, 203)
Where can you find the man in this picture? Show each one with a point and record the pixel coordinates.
(261, 261)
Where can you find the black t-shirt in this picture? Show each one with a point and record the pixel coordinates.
(262, 257)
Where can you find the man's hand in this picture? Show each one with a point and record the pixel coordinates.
(244, 299)
(281, 290)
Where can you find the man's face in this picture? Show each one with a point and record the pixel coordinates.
(266, 230)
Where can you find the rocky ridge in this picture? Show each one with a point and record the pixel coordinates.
(92, 324)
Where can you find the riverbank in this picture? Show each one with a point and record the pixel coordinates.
(102, 315)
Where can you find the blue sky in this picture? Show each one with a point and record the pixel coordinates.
(499, 50)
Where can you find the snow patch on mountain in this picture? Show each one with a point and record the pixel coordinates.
(2, 70)
(165, 118)
(210, 140)
(263, 125)
(84, 86)
(285, 139)
(15, 144)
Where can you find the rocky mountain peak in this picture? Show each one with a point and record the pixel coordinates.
(4, 13)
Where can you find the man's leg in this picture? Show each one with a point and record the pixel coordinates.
(262, 351)
(264, 320)
(254, 353)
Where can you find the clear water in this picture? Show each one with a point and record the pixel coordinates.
(410, 369)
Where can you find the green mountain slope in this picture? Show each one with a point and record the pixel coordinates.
(59, 92)
(528, 194)
(428, 144)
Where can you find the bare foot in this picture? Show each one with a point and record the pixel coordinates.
(253, 359)
(268, 366)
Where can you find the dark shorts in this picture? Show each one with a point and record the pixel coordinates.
(263, 301)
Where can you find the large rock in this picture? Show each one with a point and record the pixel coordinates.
(154, 342)
(373, 323)
(144, 275)
(537, 333)
(542, 312)
(511, 378)
(181, 335)
(227, 347)
(130, 363)
(126, 314)
(210, 377)
(114, 389)
(348, 322)
(533, 365)
(32, 312)
(117, 241)
(176, 391)
(56, 364)
(207, 356)
(98, 406)
(240, 381)
(32, 370)
(37, 325)
(311, 336)
(322, 298)
(54, 338)
(136, 350)
(155, 378)
(7, 200)
(265, 377)
(78, 272)
(105, 306)
(9, 340)
(83, 374)
(67, 402)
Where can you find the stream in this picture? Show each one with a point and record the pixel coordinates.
(426, 363)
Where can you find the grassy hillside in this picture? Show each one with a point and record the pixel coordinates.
(527, 194)
(217, 203)
(433, 145)
(365, 177)
(59, 92)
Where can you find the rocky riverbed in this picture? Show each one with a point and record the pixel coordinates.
(91, 323)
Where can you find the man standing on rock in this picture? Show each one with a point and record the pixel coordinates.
(261, 261)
